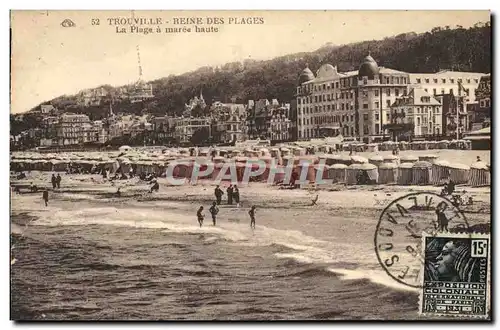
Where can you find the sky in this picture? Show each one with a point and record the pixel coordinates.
(49, 60)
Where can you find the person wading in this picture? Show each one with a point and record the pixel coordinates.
(45, 196)
(200, 216)
(252, 217)
(230, 194)
(218, 194)
(214, 210)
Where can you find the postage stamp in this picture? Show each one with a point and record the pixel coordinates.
(398, 235)
(456, 280)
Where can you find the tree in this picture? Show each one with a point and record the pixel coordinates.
(200, 136)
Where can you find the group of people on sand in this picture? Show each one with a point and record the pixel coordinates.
(214, 210)
(233, 194)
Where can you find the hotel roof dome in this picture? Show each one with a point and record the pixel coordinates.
(306, 75)
(369, 68)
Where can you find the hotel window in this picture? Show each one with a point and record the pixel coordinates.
(377, 116)
(468, 81)
(324, 87)
(377, 129)
(365, 129)
(396, 92)
(443, 81)
(476, 80)
(459, 80)
(365, 105)
(451, 90)
(388, 103)
(365, 80)
(418, 80)
(324, 97)
(387, 116)
(426, 81)
(376, 92)
(352, 117)
(388, 92)
(397, 80)
(425, 89)
(365, 117)
(435, 81)
(328, 107)
(434, 91)
(376, 105)
(315, 98)
(418, 121)
(442, 90)
(365, 94)
(337, 84)
(452, 81)
(467, 92)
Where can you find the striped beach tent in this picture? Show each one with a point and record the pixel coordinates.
(387, 173)
(367, 172)
(391, 159)
(409, 159)
(376, 160)
(428, 158)
(422, 173)
(405, 173)
(479, 175)
(440, 172)
(459, 173)
(337, 173)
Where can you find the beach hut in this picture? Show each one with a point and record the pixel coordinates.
(405, 173)
(459, 173)
(59, 165)
(285, 152)
(376, 160)
(391, 159)
(275, 152)
(479, 175)
(422, 173)
(320, 173)
(440, 172)
(337, 173)
(365, 173)
(372, 147)
(388, 173)
(404, 145)
(299, 152)
(409, 159)
(218, 159)
(358, 160)
(432, 145)
(443, 144)
(124, 148)
(428, 158)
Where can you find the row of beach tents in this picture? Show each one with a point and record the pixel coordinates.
(389, 169)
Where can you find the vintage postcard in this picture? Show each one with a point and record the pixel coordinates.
(250, 165)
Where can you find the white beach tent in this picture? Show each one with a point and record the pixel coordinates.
(125, 148)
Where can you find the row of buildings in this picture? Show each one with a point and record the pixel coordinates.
(371, 102)
(223, 123)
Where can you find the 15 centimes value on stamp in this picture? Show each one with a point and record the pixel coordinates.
(398, 234)
(456, 279)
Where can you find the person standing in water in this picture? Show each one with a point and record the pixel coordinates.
(200, 216)
(213, 211)
(252, 217)
(230, 194)
(236, 194)
(45, 196)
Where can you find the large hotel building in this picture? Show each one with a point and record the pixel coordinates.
(359, 103)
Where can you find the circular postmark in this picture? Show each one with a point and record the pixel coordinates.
(398, 235)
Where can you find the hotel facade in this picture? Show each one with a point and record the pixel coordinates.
(358, 103)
